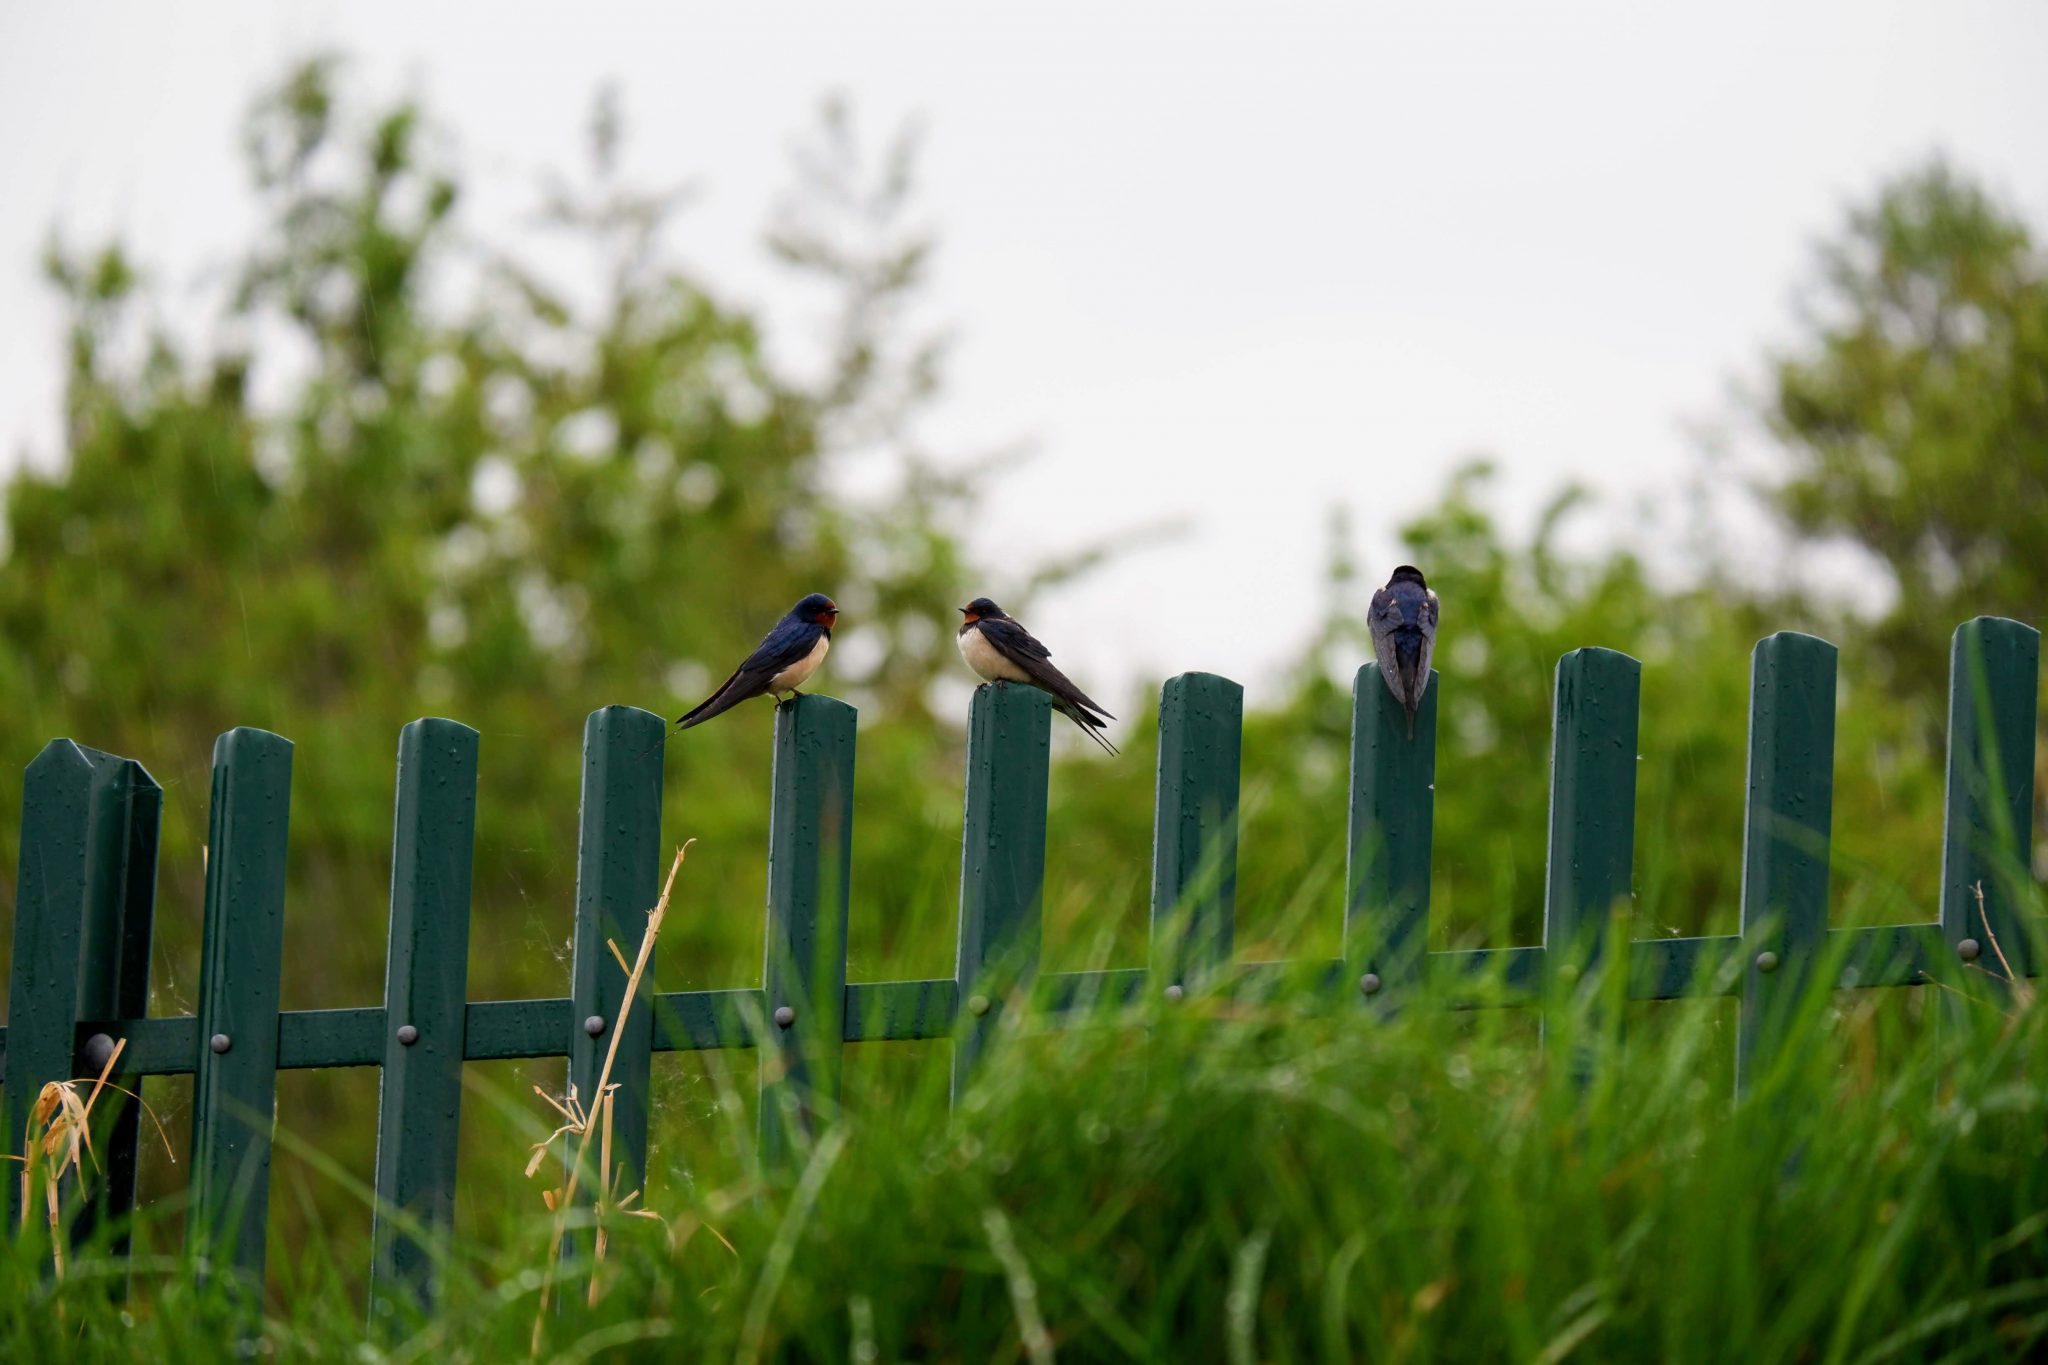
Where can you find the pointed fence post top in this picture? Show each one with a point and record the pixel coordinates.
(1198, 687)
(56, 756)
(1999, 628)
(817, 706)
(1594, 667)
(437, 728)
(246, 742)
(1797, 640)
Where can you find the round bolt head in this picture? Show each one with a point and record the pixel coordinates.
(1767, 961)
(594, 1025)
(1969, 950)
(408, 1034)
(98, 1049)
(1369, 983)
(221, 1043)
(977, 1005)
(1174, 992)
(1568, 973)
(784, 1016)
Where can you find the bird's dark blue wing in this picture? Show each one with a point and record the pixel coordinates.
(1020, 647)
(1014, 641)
(791, 640)
(782, 646)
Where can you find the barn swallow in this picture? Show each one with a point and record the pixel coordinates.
(1403, 623)
(1001, 650)
(784, 660)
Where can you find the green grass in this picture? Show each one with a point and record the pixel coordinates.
(1267, 1181)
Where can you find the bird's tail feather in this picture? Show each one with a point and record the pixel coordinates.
(667, 735)
(1090, 726)
(717, 704)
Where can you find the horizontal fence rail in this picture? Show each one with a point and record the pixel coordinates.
(79, 982)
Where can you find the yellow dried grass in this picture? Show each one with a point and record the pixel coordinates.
(581, 1126)
(57, 1140)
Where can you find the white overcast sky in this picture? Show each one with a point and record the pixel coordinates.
(1233, 266)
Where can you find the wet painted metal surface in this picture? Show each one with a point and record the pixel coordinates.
(426, 986)
(810, 862)
(113, 970)
(1194, 841)
(1391, 826)
(234, 1092)
(1986, 857)
(1002, 855)
(88, 848)
(1592, 802)
(619, 865)
(1788, 821)
(900, 1011)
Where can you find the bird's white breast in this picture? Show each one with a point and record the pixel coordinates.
(798, 673)
(988, 661)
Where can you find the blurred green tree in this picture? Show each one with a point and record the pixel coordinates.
(359, 501)
(1914, 411)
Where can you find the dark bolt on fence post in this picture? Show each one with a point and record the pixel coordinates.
(426, 986)
(618, 880)
(1002, 857)
(1988, 814)
(1787, 822)
(234, 1088)
(1194, 841)
(1592, 813)
(810, 862)
(1393, 813)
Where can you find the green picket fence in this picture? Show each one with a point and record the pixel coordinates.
(88, 863)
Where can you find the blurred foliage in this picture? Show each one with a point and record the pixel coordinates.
(1915, 414)
(508, 509)
(405, 474)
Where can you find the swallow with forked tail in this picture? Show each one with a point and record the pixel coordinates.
(1403, 624)
(999, 649)
(785, 659)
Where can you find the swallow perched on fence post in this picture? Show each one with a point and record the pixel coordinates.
(1001, 650)
(784, 660)
(1403, 624)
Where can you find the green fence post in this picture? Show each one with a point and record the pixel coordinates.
(1592, 809)
(1002, 859)
(1387, 859)
(71, 875)
(810, 862)
(234, 1088)
(618, 880)
(1194, 840)
(1988, 829)
(113, 977)
(1787, 823)
(426, 988)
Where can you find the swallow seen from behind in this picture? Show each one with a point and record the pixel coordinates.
(1001, 650)
(1403, 623)
(785, 659)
